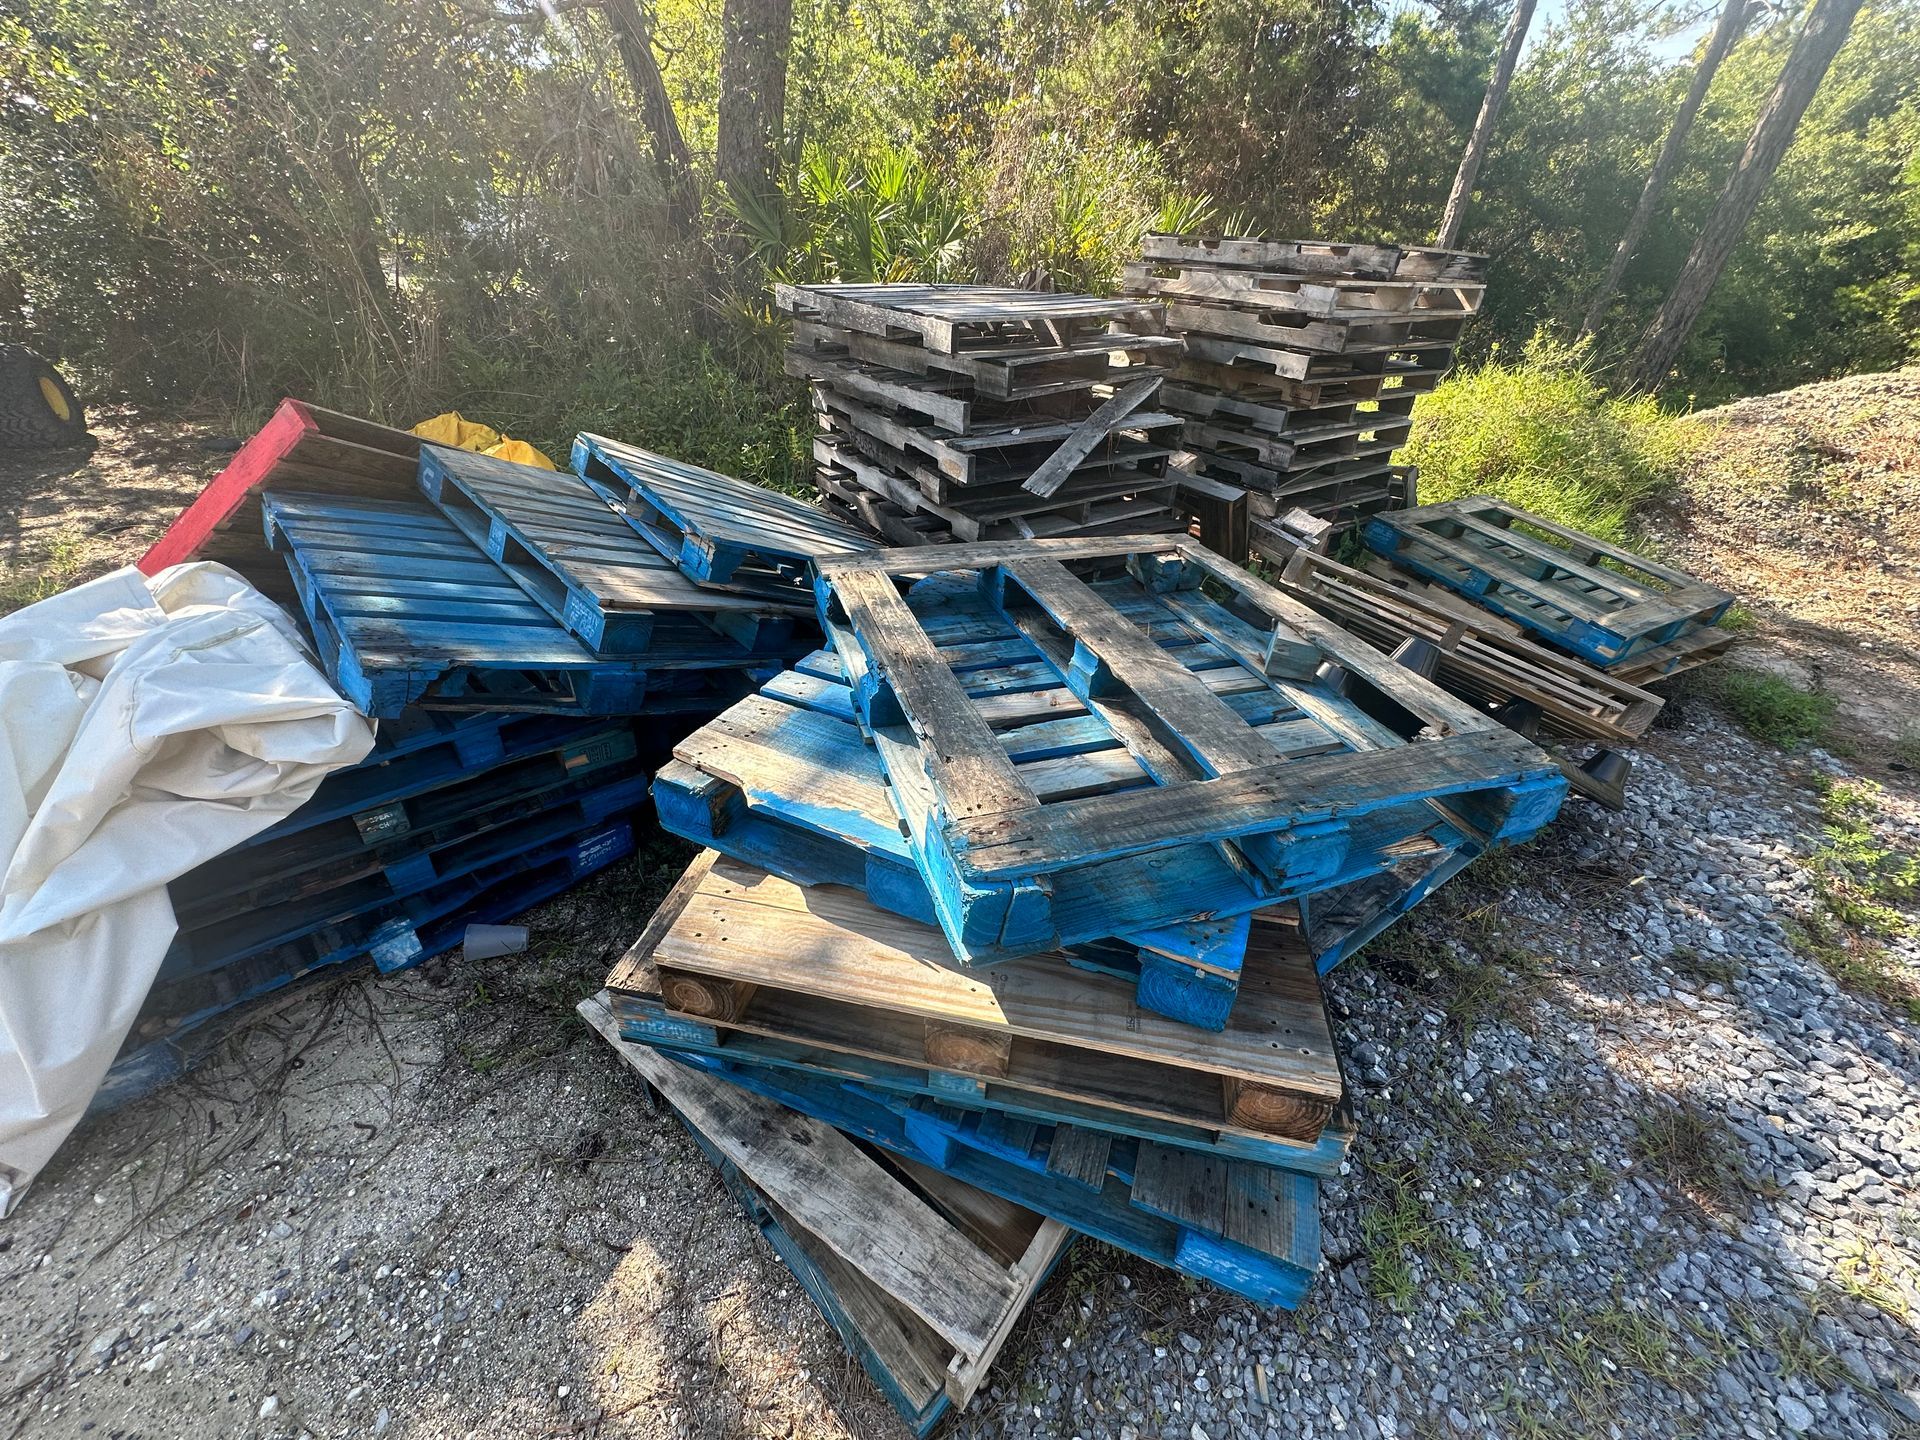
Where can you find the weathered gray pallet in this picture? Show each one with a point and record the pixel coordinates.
(1479, 663)
(947, 318)
(1316, 257)
(1330, 298)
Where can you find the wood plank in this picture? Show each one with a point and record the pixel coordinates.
(1055, 470)
(828, 1185)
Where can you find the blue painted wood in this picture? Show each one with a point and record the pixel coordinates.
(405, 611)
(1592, 599)
(558, 539)
(222, 942)
(721, 532)
(956, 1148)
(1010, 655)
(161, 1045)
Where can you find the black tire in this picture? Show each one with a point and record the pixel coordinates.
(38, 409)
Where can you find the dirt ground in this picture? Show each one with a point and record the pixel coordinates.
(435, 1204)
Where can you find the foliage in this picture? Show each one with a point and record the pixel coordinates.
(408, 207)
(1772, 710)
(1543, 434)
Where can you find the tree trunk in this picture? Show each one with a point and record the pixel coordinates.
(1496, 96)
(1820, 40)
(1733, 16)
(634, 36)
(754, 39)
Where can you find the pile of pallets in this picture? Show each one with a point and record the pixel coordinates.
(1027, 878)
(963, 412)
(1302, 359)
(529, 641)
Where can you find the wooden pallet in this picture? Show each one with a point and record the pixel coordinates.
(302, 447)
(723, 533)
(740, 949)
(1677, 656)
(1248, 1228)
(924, 1281)
(1003, 369)
(580, 562)
(1576, 701)
(1316, 257)
(405, 611)
(1313, 335)
(1594, 599)
(1333, 298)
(1191, 769)
(948, 319)
(398, 840)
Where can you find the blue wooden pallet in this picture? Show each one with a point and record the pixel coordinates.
(722, 533)
(1127, 1196)
(1596, 600)
(222, 942)
(405, 611)
(1187, 771)
(163, 1046)
(559, 541)
(403, 839)
(749, 784)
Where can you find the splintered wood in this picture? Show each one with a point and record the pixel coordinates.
(1301, 361)
(964, 412)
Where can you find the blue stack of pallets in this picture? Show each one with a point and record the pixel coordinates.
(1026, 879)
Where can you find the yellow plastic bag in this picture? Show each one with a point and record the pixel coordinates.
(451, 429)
(521, 453)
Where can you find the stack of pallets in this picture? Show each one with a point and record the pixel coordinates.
(1302, 359)
(1026, 880)
(962, 412)
(1632, 617)
(527, 639)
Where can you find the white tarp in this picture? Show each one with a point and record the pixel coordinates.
(146, 725)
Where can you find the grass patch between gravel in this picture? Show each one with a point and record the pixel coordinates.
(1692, 1150)
(1859, 881)
(1401, 1233)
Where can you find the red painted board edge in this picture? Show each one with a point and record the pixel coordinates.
(245, 473)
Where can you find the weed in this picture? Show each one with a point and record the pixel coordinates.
(1864, 1274)
(1693, 1150)
(1544, 435)
(1401, 1230)
(1858, 880)
(1904, 753)
(43, 572)
(1717, 969)
(1770, 709)
(1800, 1354)
(1740, 620)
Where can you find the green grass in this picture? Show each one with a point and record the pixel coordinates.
(1770, 709)
(1542, 433)
(1859, 883)
(1399, 1231)
(1692, 1150)
(44, 572)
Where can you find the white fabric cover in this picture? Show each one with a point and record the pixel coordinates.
(146, 725)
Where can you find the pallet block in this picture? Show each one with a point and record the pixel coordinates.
(1181, 770)
(405, 611)
(583, 564)
(302, 447)
(1591, 598)
(923, 1277)
(721, 532)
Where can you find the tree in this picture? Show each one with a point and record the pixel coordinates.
(1733, 16)
(754, 39)
(634, 36)
(1828, 24)
(1469, 171)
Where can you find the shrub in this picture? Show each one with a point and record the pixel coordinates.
(1770, 709)
(1542, 434)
